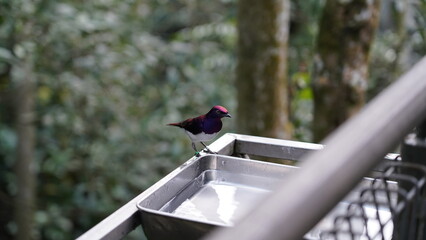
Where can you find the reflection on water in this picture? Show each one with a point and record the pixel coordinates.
(220, 202)
(189, 210)
(227, 202)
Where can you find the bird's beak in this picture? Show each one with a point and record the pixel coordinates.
(228, 115)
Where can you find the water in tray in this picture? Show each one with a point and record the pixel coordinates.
(215, 201)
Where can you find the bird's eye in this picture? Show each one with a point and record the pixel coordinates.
(218, 112)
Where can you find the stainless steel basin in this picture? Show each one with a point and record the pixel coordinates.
(215, 191)
(211, 191)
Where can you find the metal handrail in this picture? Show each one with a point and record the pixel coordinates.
(326, 176)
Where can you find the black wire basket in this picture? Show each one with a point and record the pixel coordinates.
(393, 206)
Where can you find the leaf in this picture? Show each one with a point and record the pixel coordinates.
(7, 56)
(305, 94)
(44, 94)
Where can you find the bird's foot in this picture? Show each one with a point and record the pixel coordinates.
(207, 150)
(197, 154)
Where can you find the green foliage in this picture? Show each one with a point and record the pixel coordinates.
(418, 32)
(110, 76)
(112, 73)
(399, 44)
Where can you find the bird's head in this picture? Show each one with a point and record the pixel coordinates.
(218, 112)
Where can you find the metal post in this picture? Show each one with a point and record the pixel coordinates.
(413, 150)
(414, 145)
(421, 131)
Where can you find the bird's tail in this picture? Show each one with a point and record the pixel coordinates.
(175, 124)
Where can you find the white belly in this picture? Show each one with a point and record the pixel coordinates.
(202, 137)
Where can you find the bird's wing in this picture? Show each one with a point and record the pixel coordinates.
(193, 125)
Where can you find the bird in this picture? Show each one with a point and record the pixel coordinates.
(204, 127)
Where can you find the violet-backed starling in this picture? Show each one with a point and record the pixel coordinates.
(205, 127)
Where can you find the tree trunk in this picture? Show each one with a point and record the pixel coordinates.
(400, 64)
(262, 68)
(347, 30)
(25, 165)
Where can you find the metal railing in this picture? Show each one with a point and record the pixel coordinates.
(352, 151)
(325, 176)
(385, 209)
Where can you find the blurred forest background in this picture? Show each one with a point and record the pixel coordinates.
(86, 88)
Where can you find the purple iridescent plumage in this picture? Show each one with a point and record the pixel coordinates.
(204, 127)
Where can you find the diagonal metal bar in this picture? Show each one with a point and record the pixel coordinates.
(327, 176)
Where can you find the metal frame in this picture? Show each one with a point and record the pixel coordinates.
(328, 175)
(405, 205)
(325, 176)
(125, 219)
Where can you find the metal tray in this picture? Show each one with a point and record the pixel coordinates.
(215, 191)
(211, 191)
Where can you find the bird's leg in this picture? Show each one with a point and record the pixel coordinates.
(208, 150)
(196, 151)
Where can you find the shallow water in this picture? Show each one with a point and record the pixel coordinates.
(220, 202)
